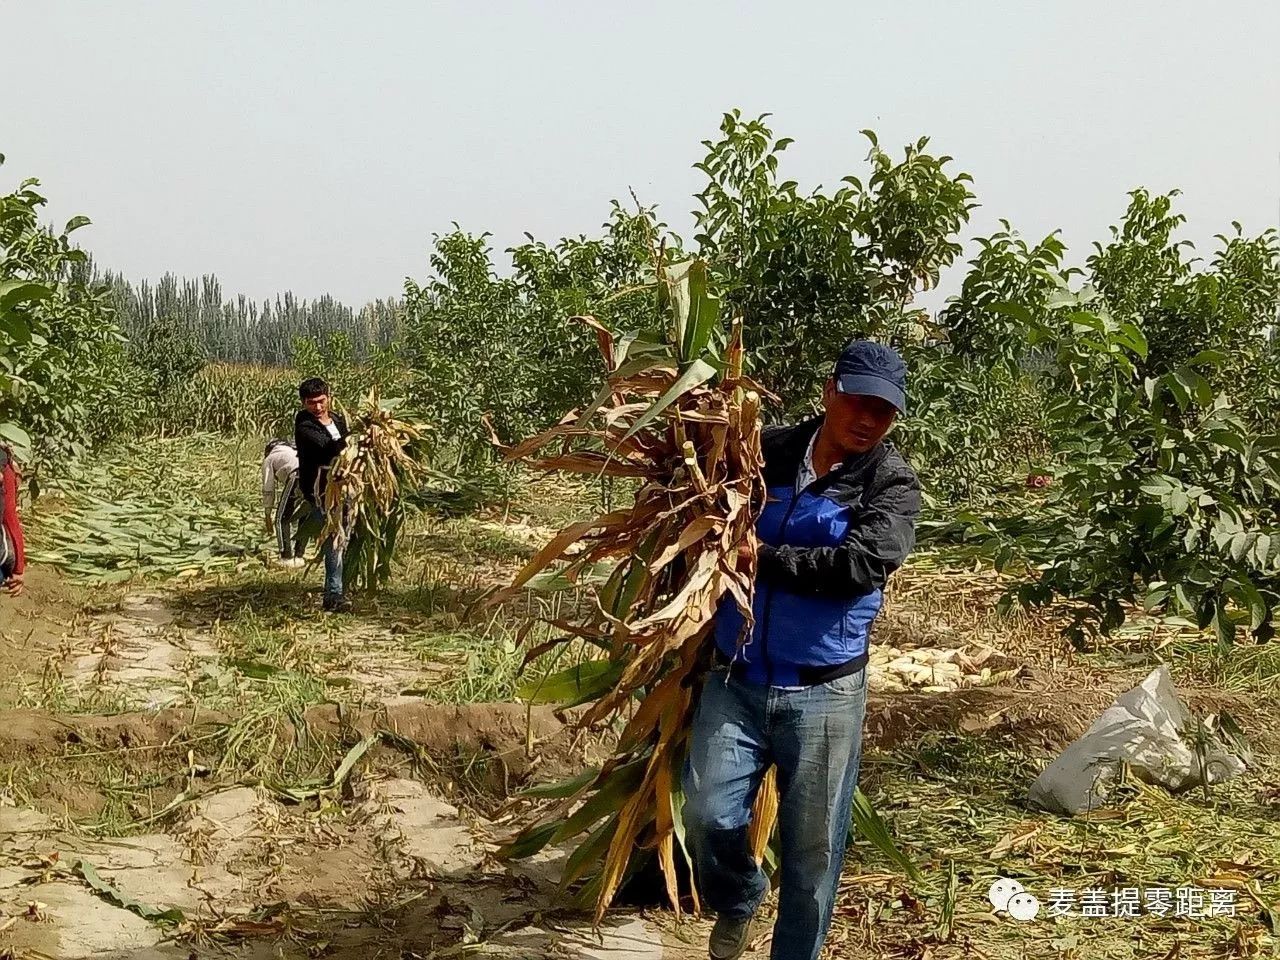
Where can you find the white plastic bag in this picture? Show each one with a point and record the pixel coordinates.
(1149, 729)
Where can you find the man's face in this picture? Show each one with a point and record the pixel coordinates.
(857, 423)
(319, 406)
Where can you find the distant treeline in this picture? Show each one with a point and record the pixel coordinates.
(241, 330)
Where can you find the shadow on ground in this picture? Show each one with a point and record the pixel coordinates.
(271, 601)
(276, 602)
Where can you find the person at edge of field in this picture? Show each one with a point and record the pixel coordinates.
(319, 435)
(13, 552)
(283, 518)
(840, 518)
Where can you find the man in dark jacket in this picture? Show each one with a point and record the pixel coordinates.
(319, 436)
(839, 520)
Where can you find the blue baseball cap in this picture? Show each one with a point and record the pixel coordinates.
(871, 369)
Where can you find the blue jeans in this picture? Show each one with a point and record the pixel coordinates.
(332, 560)
(813, 735)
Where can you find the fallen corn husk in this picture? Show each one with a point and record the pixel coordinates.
(932, 669)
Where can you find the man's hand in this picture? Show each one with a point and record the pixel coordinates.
(14, 585)
(747, 550)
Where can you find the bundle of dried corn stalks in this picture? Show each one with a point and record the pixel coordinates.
(684, 422)
(362, 501)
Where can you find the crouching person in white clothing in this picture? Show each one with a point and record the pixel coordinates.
(284, 507)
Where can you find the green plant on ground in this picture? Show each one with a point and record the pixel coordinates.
(153, 510)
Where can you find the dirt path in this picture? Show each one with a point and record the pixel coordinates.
(179, 750)
(395, 871)
(378, 864)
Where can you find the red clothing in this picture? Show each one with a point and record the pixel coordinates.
(9, 517)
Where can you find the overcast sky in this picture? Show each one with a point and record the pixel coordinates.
(316, 146)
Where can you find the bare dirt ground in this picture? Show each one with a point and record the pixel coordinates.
(209, 768)
(372, 864)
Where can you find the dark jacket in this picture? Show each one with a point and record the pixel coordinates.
(825, 555)
(316, 451)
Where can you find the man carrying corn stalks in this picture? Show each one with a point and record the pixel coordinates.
(319, 436)
(839, 520)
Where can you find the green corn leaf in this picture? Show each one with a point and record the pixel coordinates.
(677, 820)
(528, 842)
(868, 823)
(588, 894)
(586, 681)
(554, 581)
(306, 791)
(86, 871)
(352, 758)
(674, 295)
(704, 313)
(608, 798)
(562, 788)
(255, 670)
(589, 852)
(695, 375)
(636, 576)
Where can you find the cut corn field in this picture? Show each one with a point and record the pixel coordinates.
(96, 533)
(197, 760)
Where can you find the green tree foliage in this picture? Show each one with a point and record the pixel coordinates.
(63, 368)
(807, 272)
(503, 350)
(977, 408)
(1169, 475)
(241, 330)
(167, 358)
(579, 276)
(460, 338)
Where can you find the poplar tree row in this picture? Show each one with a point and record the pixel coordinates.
(241, 330)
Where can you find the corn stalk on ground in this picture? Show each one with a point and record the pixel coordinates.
(363, 502)
(160, 508)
